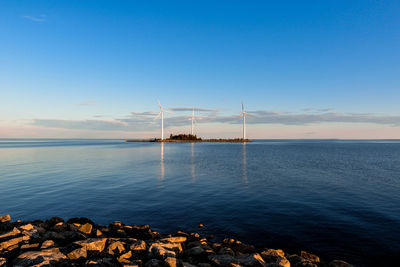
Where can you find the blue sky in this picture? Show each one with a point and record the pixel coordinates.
(306, 69)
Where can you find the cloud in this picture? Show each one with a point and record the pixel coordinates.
(112, 125)
(88, 103)
(40, 18)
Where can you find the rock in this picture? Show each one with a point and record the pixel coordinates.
(154, 263)
(53, 236)
(72, 236)
(161, 252)
(176, 247)
(187, 264)
(80, 221)
(26, 227)
(47, 244)
(79, 253)
(225, 250)
(93, 244)
(29, 246)
(279, 262)
(138, 248)
(253, 260)
(195, 251)
(170, 262)
(86, 228)
(124, 258)
(3, 261)
(297, 261)
(310, 257)
(201, 225)
(99, 233)
(5, 218)
(222, 260)
(116, 247)
(12, 244)
(203, 264)
(14, 232)
(45, 257)
(60, 227)
(271, 255)
(337, 263)
(175, 239)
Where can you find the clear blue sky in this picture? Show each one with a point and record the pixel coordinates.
(329, 65)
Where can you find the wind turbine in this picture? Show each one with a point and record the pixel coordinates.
(161, 113)
(244, 114)
(193, 120)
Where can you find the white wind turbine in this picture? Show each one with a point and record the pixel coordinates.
(244, 114)
(161, 113)
(193, 121)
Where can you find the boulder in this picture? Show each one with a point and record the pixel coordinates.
(79, 253)
(93, 244)
(222, 260)
(116, 247)
(310, 257)
(124, 258)
(203, 264)
(3, 262)
(271, 255)
(86, 228)
(297, 261)
(14, 232)
(45, 257)
(195, 251)
(29, 246)
(253, 260)
(339, 263)
(5, 218)
(187, 264)
(72, 236)
(138, 247)
(175, 239)
(161, 252)
(226, 250)
(60, 227)
(171, 262)
(279, 262)
(154, 263)
(176, 247)
(47, 244)
(13, 243)
(80, 221)
(50, 235)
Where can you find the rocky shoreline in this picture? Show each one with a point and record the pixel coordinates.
(81, 242)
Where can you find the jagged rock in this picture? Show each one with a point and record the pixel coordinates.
(26, 227)
(60, 227)
(195, 251)
(187, 264)
(203, 264)
(175, 239)
(93, 244)
(154, 263)
(29, 246)
(171, 262)
(138, 248)
(116, 247)
(194, 244)
(5, 218)
(14, 232)
(279, 262)
(161, 252)
(222, 260)
(226, 250)
(3, 262)
(310, 257)
(45, 257)
(86, 228)
(297, 261)
(253, 260)
(47, 244)
(339, 263)
(99, 233)
(72, 236)
(80, 220)
(243, 248)
(124, 258)
(271, 255)
(53, 236)
(176, 247)
(135, 263)
(13, 243)
(78, 254)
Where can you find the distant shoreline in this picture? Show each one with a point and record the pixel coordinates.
(190, 141)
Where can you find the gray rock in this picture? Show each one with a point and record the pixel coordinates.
(187, 264)
(339, 263)
(222, 260)
(53, 236)
(279, 262)
(226, 250)
(195, 251)
(13, 243)
(47, 257)
(116, 247)
(271, 255)
(79, 253)
(14, 232)
(138, 247)
(47, 244)
(253, 260)
(86, 228)
(161, 252)
(5, 218)
(154, 263)
(171, 262)
(93, 244)
(3, 262)
(310, 257)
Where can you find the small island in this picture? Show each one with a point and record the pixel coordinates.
(190, 138)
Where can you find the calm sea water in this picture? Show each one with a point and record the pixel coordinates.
(338, 199)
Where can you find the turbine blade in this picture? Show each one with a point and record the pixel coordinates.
(167, 111)
(158, 115)
(159, 104)
(241, 115)
(242, 107)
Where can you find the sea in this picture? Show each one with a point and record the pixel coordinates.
(339, 199)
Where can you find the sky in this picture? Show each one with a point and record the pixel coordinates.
(303, 69)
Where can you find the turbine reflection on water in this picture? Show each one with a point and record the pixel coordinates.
(244, 164)
(162, 171)
(192, 166)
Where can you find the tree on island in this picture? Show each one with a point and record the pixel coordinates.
(184, 137)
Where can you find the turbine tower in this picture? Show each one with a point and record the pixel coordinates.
(193, 120)
(161, 113)
(244, 114)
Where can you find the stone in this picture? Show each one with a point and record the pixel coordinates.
(195, 251)
(60, 227)
(93, 244)
(45, 257)
(124, 258)
(29, 246)
(298, 261)
(3, 262)
(86, 228)
(272, 255)
(99, 233)
(138, 247)
(170, 262)
(116, 247)
(176, 247)
(201, 225)
(53, 236)
(279, 262)
(187, 264)
(222, 260)
(161, 252)
(203, 264)
(47, 244)
(26, 227)
(253, 260)
(175, 239)
(226, 250)
(310, 257)
(79, 253)
(72, 236)
(14, 232)
(13, 243)
(339, 263)
(80, 221)
(154, 263)
(5, 218)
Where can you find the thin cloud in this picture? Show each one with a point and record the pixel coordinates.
(88, 103)
(40, 18)
(191, 108)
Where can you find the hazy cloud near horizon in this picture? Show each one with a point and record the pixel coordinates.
(40, 18)
(144, 121)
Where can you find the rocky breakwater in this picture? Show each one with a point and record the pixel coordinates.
(80, 242)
